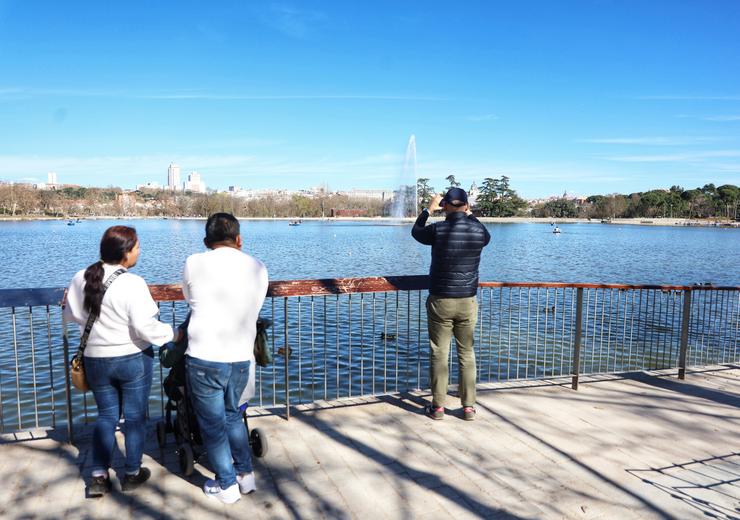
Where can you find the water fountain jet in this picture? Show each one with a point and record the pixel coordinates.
(406, 194)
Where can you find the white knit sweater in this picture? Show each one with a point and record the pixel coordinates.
(128, 316)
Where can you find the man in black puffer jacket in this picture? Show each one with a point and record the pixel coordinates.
(452, 305)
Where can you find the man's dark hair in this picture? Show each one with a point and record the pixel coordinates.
(221, 227)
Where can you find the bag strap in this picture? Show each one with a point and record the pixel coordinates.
(92, 317)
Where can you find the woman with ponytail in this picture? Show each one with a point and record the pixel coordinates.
(118, 356)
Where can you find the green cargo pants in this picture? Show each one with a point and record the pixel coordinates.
(447, 317)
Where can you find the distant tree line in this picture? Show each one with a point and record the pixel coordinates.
(705, 202)
(23, 200)
(495, 198)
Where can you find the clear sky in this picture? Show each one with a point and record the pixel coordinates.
(585, 96)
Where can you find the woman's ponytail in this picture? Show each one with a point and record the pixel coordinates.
(94, 287)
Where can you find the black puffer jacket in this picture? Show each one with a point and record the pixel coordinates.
(456, 246)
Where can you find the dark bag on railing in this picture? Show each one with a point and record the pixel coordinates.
(262, 350)
(77, 365)
(171, 354)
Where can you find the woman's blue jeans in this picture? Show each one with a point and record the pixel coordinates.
(215, 389)
(121, 381)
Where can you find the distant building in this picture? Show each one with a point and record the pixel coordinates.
(322, 189)
(173, 177)
(51, 182)
(473, 194)
(149, 186)
(355, 193)
(194, 183)
(277, 194)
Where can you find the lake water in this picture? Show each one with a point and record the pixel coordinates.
(48, 253)
(351, 345)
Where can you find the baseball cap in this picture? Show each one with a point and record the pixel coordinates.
(456, 197)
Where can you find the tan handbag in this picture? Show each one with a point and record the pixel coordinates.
(77, 374)
(77, 365)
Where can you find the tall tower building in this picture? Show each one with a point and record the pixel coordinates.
(51, 178)
(173, 177)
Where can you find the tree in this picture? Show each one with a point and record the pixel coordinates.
(694, 199)
(508, 203)
(497, 199)
(451, 181)
(487, 196)
(50, 201)
(653, 203)
(597, 207)
(729, 197)
(557, 208)
(424, 193)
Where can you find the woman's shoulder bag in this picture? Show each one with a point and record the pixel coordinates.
(77, 365)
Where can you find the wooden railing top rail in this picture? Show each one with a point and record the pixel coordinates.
(328, 286)
(559, 285)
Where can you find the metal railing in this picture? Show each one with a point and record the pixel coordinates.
(356, 337)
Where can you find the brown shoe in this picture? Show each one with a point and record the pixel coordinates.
(469, 413)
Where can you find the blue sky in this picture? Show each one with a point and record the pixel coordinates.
(584, 96)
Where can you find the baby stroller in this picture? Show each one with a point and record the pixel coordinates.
(184, 426)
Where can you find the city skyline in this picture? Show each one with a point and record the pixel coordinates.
(600, 97)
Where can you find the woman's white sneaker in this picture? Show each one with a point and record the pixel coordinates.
(246, 483)
(227, 496)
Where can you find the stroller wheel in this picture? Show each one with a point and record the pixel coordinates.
(258, 442)
(185, 455)
(161, 433)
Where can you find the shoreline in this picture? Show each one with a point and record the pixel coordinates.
(669, 222)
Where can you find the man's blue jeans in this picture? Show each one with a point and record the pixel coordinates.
(215, 389)
(116, 381)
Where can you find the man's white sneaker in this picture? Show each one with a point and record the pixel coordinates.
(246, 483)
(227, 496)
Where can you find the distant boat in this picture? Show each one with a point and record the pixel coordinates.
(294, 223)
(556, 230)
(71, 223)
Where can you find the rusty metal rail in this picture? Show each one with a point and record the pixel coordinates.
(352, 337)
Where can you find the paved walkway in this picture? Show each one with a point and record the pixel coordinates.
(640, 446)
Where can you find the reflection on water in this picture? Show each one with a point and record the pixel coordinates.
(44, 254)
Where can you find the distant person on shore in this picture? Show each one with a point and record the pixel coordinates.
(225, 289)
(452, 305)
(118, 355)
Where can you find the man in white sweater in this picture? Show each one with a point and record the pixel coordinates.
(225, 289)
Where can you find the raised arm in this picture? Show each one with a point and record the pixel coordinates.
(421, 232)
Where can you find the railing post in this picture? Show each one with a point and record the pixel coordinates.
(685, 317)
(577, 344)
(286, 355)
(67, 386)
